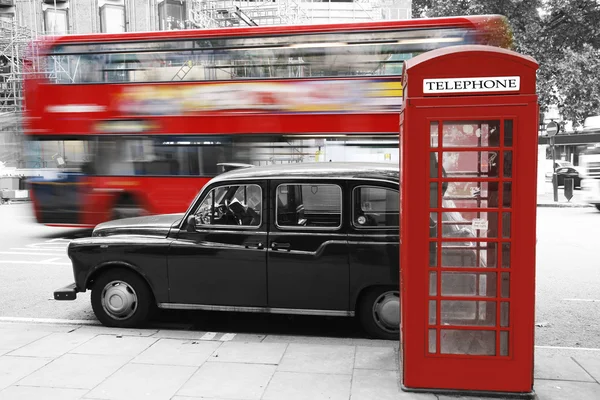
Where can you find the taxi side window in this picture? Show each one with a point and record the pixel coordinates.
(238, 205)
(375, 207)
(316, 206)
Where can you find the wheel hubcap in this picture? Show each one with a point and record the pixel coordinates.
(386, 311)
(119, 300)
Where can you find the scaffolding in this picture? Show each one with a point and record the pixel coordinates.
(14, 42)
(232, 13)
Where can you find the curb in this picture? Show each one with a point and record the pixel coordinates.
(565, 205)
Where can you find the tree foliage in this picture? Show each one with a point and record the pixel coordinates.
(562, 35)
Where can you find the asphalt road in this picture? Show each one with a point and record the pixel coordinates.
(33, 263)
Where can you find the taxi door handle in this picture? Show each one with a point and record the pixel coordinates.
(277, 246)
(257, 245)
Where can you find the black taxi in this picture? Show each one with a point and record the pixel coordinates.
(316, 239)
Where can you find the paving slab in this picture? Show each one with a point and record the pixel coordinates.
(559, 367)
(302, 386)
(107, 345)
(191, 353)
(566, 390)
(13, 339)
(318, 359)
(229, 381)
(45, 393)
(53, 345)
(13, 369)
(381, 385)
(591, 364)
(141, 381)
(382, 358)
(75, 371)
(251, 353)
(308, 340)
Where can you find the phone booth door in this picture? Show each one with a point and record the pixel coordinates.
(475, 278)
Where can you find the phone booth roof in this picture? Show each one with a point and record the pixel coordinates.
(471, 61)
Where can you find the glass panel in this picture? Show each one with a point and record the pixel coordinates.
(309, 206)
(432, 341)
(482, 343)
(505, 255)
(469, 284)
(506, 225)
(433, 133)
(433, 283)
(480, 164)
(433, 254)
(470, 224)
(433, 224)
(432, 312)
(505, 285)
(433, 165)
(507, 164)
(56, 21)
(375, 207)
(231, 205)
(433, 194)
(504, 343)
(507, 194)
(508, 132)
(504, 314)
(112, 18)
(471, 134)
(469, 254)
(463, 312)
(470, 195)
(335, 54)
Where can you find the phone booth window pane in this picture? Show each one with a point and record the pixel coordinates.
(508, 132)
(433, 133)
(433, 195)
(433, 283)
(480, 343)
(432, 312)
(433, 165)
(469, 254)
(433, 254)
(470, 224)
(469, 284)
(468, 313)
(466, 164)
(471, 134)
(506, 225)
(508, 164)
(432, 341)
(504, 343)
(505, 255)
(433, 224)
(470, 195)
(507, 194)
(505, 285)
(504, 314)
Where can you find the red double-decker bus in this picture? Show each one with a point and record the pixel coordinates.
(141, 121)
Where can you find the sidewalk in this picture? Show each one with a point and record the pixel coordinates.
(545, 197)
(63, 361)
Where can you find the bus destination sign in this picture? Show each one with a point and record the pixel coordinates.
(463, 85)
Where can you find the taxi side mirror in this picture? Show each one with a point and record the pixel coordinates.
(191, 223)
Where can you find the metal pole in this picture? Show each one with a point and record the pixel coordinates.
(554, 177)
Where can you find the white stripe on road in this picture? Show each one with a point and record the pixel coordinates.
(208, 336)
(50, 261)
(37, 249)
(50, 321)
(227, 337)
(588, 300)
(567, 348)
(20, 253)
(32, 262)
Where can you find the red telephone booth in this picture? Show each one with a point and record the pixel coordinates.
(468, 145)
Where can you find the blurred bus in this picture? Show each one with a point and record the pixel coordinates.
(142, 120)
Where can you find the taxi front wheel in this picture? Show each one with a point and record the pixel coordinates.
(379, 313)
(121, 298)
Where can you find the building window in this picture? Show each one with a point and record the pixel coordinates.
(56, 21)
(112, 18)
(171, 15)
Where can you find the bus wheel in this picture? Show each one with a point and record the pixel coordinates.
(379, 313)
(126, 208)
(121, 298)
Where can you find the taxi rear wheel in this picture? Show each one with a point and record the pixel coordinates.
(121, 298)
(379, 313)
